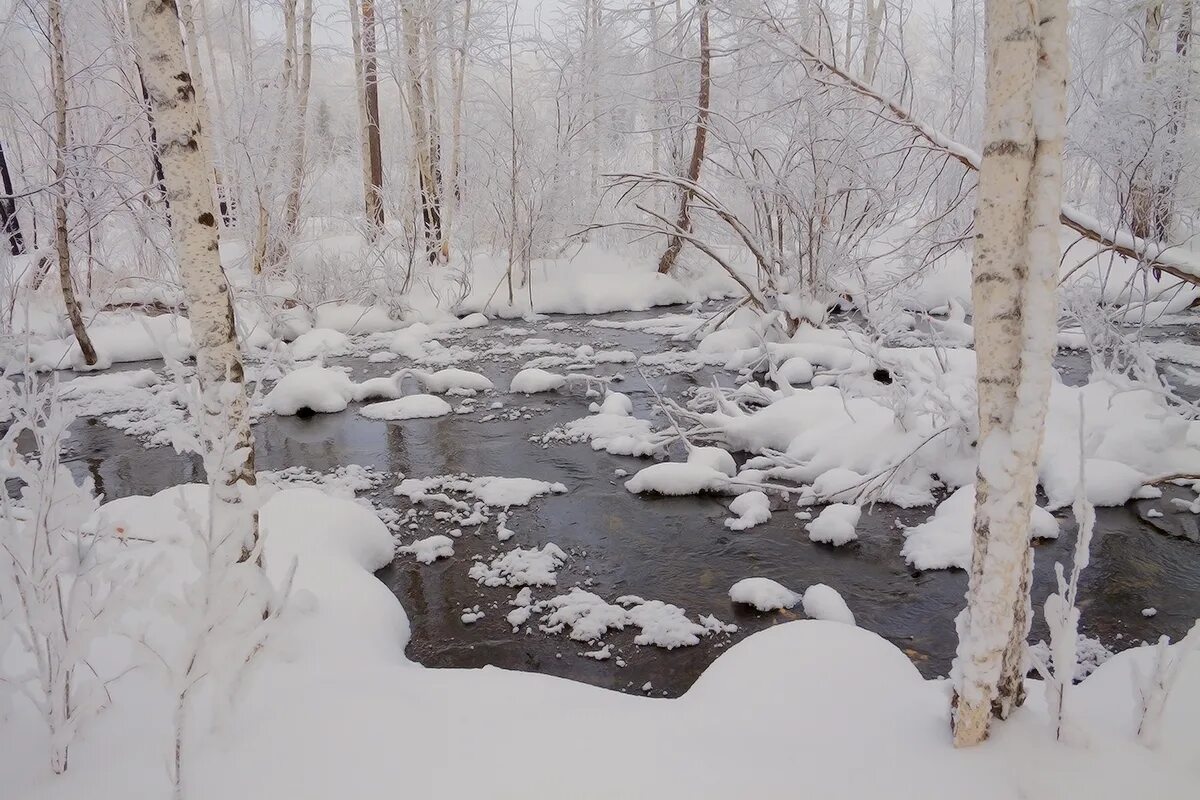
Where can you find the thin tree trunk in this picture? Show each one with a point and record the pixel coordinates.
(1142, 194)
(873, 20)
(684, 221)
(225, 423)
(9, 222)
(299, 151)
(361, 102)
(58, 71)
(423, 148)
(459, 70)
(207, 144)
(371, 98)
(1015, 273)
(226, 194)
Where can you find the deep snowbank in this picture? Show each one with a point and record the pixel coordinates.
(334, 709)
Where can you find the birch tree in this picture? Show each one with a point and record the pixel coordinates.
(1015, 272)
(224, 408)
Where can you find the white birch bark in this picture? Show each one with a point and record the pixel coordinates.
(300, 145)
(1015, 271)
(225, 426)
(458, 79)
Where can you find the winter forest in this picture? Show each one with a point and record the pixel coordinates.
(599, 398)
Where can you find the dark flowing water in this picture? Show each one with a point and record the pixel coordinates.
(670, 549)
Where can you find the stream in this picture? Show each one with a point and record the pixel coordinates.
(673, 549)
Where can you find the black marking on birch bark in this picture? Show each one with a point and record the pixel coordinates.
(185, 90)
(1023, 34)
(1006, 147)
(206, 219)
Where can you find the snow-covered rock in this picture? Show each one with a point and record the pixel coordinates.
(751, 508)
(320, 342)
(324, 390)
(534, 381)
(824, 602)
(763, 593)
(677, 478)
(944, 540)
(614, 403)
(835, 524)
(453, 379)
(713, 458)
(414, 406)
(430, 549)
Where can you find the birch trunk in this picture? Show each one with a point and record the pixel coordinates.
(873, 20)
(58, 76)
(361, 102)
(225, 423)
(1015, 273)
(418, 110)
(207, 146)
(458, 77)
(684, 221)
(299, 149)
(371, 102)
(1142, 195)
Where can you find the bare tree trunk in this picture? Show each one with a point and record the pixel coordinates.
(656, 93)
(371, 100)
(1142, 195)
(430, 70)
(225, 425)
(684, 221)
(458, 78)
(849, 53)
(423, 147)
(299, 149)
(873, 12)
(1015, 274)
(9, 222)
(207, 145)
(361, 102)
(226, 193)
(58, 71)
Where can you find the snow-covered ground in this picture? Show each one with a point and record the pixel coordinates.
(335, 709)
(600, 495)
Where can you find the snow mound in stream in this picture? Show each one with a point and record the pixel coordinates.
(414, 406)
(944, 540)
(454, 380)
(521, 567)
(320, 342)
(324, 390)
(676, 478)
(763, 593)
(751, 508)
(534, 381)
(835, 524)
(824, 602)
(430, 549)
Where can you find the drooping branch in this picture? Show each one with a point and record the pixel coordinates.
(1148, 252)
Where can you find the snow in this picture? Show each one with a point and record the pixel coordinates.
(835, 525)
(453, 379)
(675, 478)
(521, 567)
(823, 602)
(317, 717)
(534, 381)
(714, 458)
(430, 549)
(750, 509)
(320, 342)
(489, 489)
(763, 593)
(944, 540)
(614, 403)
(325, 390)
(413, 406)
(589, 617)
